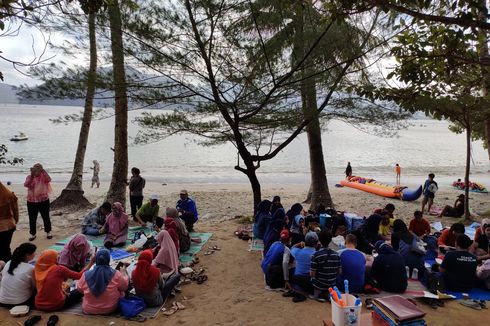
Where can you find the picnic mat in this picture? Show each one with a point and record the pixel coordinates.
(476, 294)
(415, 289)
(118, 254)
(256, 245)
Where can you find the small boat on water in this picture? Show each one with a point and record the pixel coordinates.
(20, 137)
(381, 189)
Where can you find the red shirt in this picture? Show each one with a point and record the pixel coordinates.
(447, 238)
(419, 227)
(52, 297)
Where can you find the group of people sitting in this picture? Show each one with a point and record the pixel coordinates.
(378, 254)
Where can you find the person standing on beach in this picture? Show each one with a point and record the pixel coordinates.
(95, 177)
(9, 217)
(38, 189)
(136, 185)
(348, 170)
(429, 191)
(186, 206)
(398, 171)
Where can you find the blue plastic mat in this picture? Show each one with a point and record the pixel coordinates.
(476, 294)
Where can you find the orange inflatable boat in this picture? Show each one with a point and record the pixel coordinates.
(381, 189)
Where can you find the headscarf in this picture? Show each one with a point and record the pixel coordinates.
(274, 206)
(295, 225)
(181, 229)
(117, 219)
(46, 262)
(101, 275)
(264, 206)
(484, 222)
(400, 228)
(167, 255)
(171, 228)
(274, 228)
(145, 276)
(41, 184)
(75, 251)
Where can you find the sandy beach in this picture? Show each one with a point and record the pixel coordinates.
(234, 293)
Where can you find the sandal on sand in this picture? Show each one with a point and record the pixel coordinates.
(32, 320)
(179, 305)
(32, 238)
(53, 320)
(471, 304)
(216, 248)
(209, 252)
(201, 279)
(138, 318)
(170, 311)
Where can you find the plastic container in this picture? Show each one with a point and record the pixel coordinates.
(323, 219)
(349, 315)
(19, 311)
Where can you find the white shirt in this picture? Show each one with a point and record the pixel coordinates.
(17, 288)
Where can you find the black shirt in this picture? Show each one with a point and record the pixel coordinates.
(460, 269)
(483, 242)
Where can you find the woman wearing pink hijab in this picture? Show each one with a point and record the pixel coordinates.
(116, 227)
(167, 258)
(75, 253)
(38, 189)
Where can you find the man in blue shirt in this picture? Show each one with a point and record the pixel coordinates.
(187, 209)
(429, 190)
(353, 264)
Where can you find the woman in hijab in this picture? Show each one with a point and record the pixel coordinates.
(149, 284)
(388, 269)
(276, 204)
(9, 216)
(38, 189)
(296, 209)
(368, 234)
(102, 286)
(95, 177)
(184, 237)
(116, 227)
(481, 229)
(49, 278)
(75, 253)
(405, 242)
(166, 259)
(171, 228)
(262, 218)
(297, 229)
(274, 229)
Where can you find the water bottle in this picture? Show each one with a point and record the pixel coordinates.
(415, 274)
(407, 269)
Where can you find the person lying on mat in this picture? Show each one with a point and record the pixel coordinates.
(272, 263)
(75, 253)
(480, 247)
(457, 210)
(448, 236)
(18, 285)
(50, 278)
(300, 277)
(166, 257)
(102, 286)
(388, 269)
(149, 284)
(116, 227)
(459, 267)
(94, 220)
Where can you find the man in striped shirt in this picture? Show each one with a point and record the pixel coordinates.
(325, 267)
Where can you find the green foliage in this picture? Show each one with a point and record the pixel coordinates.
(3, 157)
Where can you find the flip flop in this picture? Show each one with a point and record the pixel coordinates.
(210, 252)
(201, 279)
(53, 320)
(216, 248)
(32, 238)
(32, 320)
(170, 311)
(138, 318)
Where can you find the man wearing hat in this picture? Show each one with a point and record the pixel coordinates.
(149, 212)
(187, 209)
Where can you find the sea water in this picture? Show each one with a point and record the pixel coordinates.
(425, 146)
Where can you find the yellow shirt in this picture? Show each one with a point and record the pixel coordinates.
(386, 229)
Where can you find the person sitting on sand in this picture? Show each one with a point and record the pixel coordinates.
(389, 210)
(353, 265)
(483, 274)
(459, 267)
(385, 226)
(94, 220)
(481, 247)
(301, 278)
(186, 206)
(18, 284)
(388, 269)
(116, 227)
(262, 219)
(50, 277)
(457, 210)
(75, 253)
(149, 284)
(166, 257)
(297, 229)
(171, 228)
(448, 236)
(429, 191)
(276, 204)
(102, 286)
(272, 262)
(419, 225)
(184, 237)
(148, 212)
(325, 267)
(272, 233)
(368, 234)
(481, 229)
(406, 243)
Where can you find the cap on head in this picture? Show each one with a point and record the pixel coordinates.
(184, 192)
(154, 197)
(284, 234)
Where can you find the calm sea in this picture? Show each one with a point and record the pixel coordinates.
(426, 146)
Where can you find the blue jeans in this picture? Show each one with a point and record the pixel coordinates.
(90, 230)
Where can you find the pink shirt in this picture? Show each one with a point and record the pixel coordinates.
(108, 301)
(37, 188)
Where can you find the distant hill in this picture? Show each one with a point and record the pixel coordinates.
(7, 94)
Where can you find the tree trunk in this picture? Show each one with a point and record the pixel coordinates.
(485, 57)
(72, 195)
(250, 171)
(487, 136)
(117, 188)
(467, 173)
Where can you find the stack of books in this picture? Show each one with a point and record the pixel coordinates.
(395, 310)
